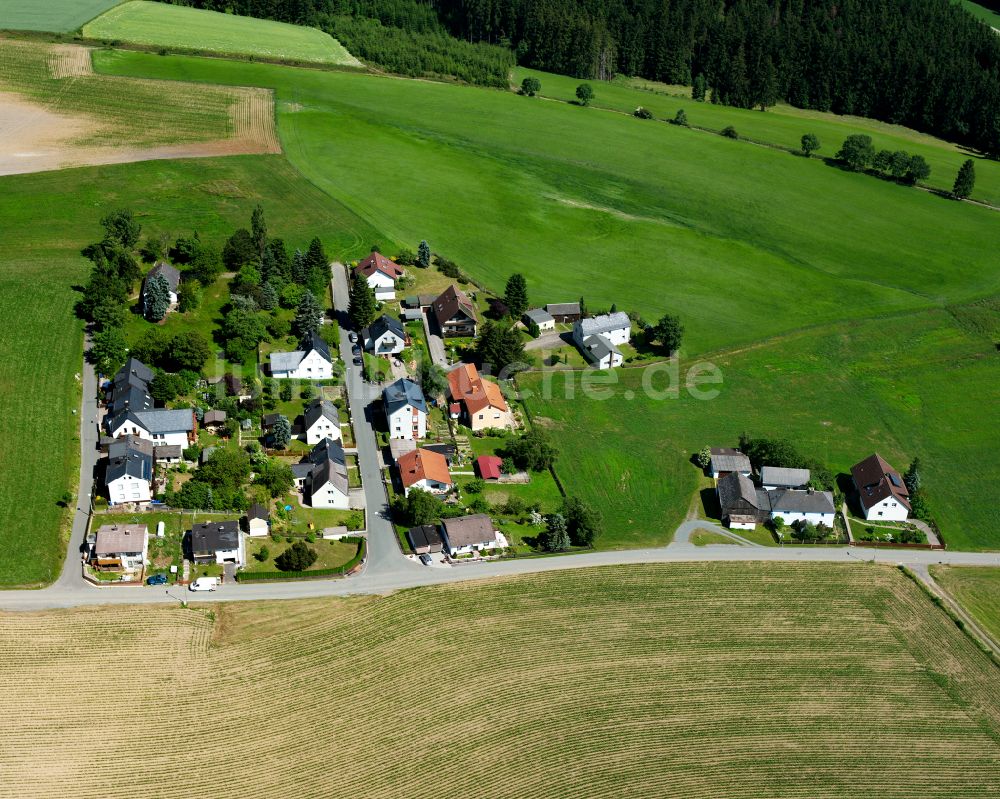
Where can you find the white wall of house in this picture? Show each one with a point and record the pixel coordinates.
(609, 361)
(427, 484)
(408, 423)
(237, 555)
(492, 544)
(328, 496)
(323, 428)
(128, 489)
(889, 509)
(383, 286)
(387, 343)
(742, 525)
(257, 527)
(716, 475)
(790, 517)
(312, 367)
(127, 427)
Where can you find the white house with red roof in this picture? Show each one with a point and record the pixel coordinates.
(881, 489)
(381, 274)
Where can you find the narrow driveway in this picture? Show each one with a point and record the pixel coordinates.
(435, 343)
(71, 576)
(550, 341)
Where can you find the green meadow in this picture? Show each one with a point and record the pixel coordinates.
(59, 16)
(987, 15)
(977, 588)
(48, 218)
(161, 25)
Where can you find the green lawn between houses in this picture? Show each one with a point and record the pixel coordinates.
(161, 25)
(331, 554)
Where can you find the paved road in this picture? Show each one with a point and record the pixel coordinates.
(435, 344)
(387, 569)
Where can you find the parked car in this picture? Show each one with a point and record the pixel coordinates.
(205, 584)
(426, 559)
(358, 361)
(355, 350)
(156, 579)
(352, 337)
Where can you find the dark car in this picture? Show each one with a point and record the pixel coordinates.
(426, 559)
(357, 360)
(156, 579)
(356, 350)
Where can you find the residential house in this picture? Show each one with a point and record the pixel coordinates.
(564, 312)
(743, 505)
(599, 337)
(129, 388)
(381, 273)
(794, 505)
(268, 421)
(321, 420)
(425, 470)
(120, 546)
(540, 317)
(311, 362)
(447, 450)
(214, 420)
(257, 520)
(475, 532)
(425, 539)
(483, 404)
(488, 467)
(129, 476)
(726, 460)
(385, 336)
(881, 489)
(326, 484)
(405, 409)
(169, 273)
(168, 453)
(217, 542)
(162, 426)
(398, 447)
(775, 477)
(455, 313)
(601, 353)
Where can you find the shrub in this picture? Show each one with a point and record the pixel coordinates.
(298, 557)
(475, 486)
(262, 554)
(730, 132)
(642, 113)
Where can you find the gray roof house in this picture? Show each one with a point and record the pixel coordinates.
(312, 361)
(726, 459)
(603, 325)
(217, 542)
(323, 475)
(601, 352)
(321, 420)
(772, 477)
(564, 311)
(743, 505)
(385, 335)
(790, 502)
(540, 317)
(402, 393)
(134, 373)
(425, 539)
(466, 533)
(169, 273)
(120, 447)
(132, 463)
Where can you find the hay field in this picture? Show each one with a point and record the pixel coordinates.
(160, 25)
(54, 113)
(59, 16)
(683, 680)
(978, 591)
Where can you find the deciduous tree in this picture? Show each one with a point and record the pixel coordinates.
(584, 93)
(809, 143)
(856, 152)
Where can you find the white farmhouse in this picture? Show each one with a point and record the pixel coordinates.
(792, 505)
(322, 476)
(775, 477)
(162, 426)
(386, 336)
(405, 410)
(129, 475)
(540, 317)
(311, 362)
(381, 273)
(321, 420)
(120, 546)
(881, 489)
(599, 337)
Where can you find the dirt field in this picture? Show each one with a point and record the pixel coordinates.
(43, 130)
(687, 680)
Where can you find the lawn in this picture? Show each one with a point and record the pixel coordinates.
(47, 218)
(302, 520)
(678, 680)
(702, 214)
(50, 15)
(701, 538)
(919, 385)
(161, 25)
(782, 125)
(987, 15)
(330, 554)
(978, 591)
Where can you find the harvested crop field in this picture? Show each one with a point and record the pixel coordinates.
(675, 680)
(55, 113)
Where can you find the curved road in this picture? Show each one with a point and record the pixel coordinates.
(387, 569)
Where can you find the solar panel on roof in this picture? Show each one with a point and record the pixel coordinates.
(895, 480)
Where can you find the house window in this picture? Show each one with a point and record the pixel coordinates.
(880, 513)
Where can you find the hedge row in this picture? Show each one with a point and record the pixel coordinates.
(246, 577)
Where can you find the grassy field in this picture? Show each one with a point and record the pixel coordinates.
(161, 25)
(665, 207)
(920, 385)
(977, 589)
(50, 15)
(667, 681)
(987, 15)
(48, 217)
(782, 125)
(331, 554)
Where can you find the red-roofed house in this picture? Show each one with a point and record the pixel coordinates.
(483, 404)
(381, 274)
(488, 467)
(881, 489)
(425, 469)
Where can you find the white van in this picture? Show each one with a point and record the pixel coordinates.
(205, 584)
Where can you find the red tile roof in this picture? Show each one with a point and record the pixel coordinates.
(488, 467)
(423, 464)
(376, 262)
(468, 387)
(450, 303)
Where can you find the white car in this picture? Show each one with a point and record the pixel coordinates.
(205, 584)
